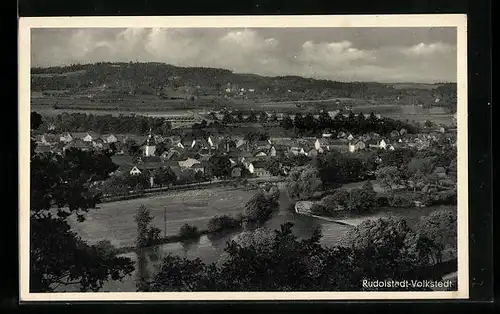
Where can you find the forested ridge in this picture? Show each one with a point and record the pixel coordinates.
(164, 80)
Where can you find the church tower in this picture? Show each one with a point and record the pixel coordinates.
(150, 146)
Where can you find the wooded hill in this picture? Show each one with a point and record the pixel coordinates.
(166, 81)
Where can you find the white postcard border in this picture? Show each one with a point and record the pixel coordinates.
(424, 20)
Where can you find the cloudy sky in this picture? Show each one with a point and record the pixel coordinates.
(343, 54)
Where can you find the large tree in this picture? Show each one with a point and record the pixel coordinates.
(218, 166)
(302, 182)
(61, 188)
(164, 176)
(441, 227)
(389, 176)
(389, 248)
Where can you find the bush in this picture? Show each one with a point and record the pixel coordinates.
(361, 200)
(444, 198)
(259, 207)
(320, 210)
(404, 199)
(187, 231)
(382, 200)
(441, 227)
(333, 201)
(219, 223)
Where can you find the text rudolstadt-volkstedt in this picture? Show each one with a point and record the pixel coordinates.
(407, 284)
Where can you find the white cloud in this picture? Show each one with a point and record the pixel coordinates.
(247, 50)
(333, 54)
(423, 49)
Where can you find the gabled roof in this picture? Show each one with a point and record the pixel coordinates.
(241, 142)
(259, 164)
(78, 143)
(188, 163)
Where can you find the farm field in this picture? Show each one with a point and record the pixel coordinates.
(115, 221)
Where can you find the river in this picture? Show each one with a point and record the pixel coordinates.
(210, 248)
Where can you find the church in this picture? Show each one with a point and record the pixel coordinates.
(150, 147)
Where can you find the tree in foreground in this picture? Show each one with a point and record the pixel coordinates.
(276, 260)
(389, 248)
(60, 191)
(441, 227)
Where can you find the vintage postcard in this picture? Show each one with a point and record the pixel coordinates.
(243, 158)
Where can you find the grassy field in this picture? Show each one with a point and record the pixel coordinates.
(115, 221)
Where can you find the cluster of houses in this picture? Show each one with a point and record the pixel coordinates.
(193, 154)
(59, 143)
(395, 140)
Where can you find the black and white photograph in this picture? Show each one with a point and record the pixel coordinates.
(243, 158)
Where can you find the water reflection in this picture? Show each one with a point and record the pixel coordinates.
(211, 247)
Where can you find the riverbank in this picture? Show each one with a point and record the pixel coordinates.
(187, 187)
(411, 215)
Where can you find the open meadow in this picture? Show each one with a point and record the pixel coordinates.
(115, 221)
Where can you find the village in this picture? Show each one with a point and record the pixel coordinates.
(259, 156)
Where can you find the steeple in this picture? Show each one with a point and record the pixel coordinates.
(149, 137)
(150, 147)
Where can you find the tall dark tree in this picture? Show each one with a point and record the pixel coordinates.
(287, 122)
(61, 188)
(219, 166)
(36, 120)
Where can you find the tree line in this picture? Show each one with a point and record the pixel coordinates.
(308, 124)
(134, 124)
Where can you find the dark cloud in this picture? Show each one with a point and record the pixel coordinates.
(345, 54)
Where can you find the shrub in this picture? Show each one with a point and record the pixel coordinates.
(338, 198)
(444, 198)
(403, 199)
(260, 207)
(441, 227)
(382, 200)
(361, 200)
(219, 223)
(187, 231)
(320, 210)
